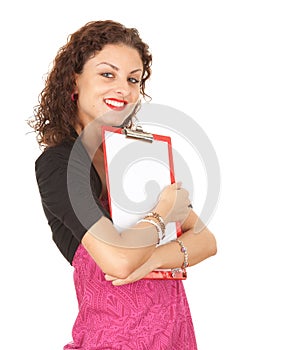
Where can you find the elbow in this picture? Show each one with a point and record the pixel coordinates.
(212, 245)
(121, 267)
(126, 261)
(209, 245)
(122, 270)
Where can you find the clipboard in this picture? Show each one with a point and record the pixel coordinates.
(138, 166)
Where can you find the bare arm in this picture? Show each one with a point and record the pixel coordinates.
(200, 245)
(115, 258)
(120, 254)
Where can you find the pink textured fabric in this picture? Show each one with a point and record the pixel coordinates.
(145, 315)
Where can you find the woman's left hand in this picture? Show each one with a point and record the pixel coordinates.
(138, 274)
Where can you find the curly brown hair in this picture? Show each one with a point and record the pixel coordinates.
(56, 113)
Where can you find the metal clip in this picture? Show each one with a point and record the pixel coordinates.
(132, 129)
(138, 133)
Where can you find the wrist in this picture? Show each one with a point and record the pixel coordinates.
(162, 208)
(156, 259)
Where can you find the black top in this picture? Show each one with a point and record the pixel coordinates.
(69, 187)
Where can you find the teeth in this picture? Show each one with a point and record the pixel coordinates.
(114, 103)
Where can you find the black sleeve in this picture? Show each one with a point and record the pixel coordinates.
(65, 190)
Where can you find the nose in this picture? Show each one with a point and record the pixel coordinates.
(122, 88)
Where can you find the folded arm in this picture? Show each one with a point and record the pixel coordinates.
(196, 237)
(119, 254)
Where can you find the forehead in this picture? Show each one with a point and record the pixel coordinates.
(121, 56)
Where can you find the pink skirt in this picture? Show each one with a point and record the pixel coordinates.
(145, 315)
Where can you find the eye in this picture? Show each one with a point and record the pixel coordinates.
(133, 80)
(107, 75)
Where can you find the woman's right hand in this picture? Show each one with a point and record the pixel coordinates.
(173, 203)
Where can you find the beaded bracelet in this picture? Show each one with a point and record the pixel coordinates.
(159, 219)
(156, 225)
(184, 251)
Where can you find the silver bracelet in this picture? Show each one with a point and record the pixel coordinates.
(156, 225)
(159, 219)
(184, 251)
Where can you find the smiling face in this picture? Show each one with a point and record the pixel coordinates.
(109, 85)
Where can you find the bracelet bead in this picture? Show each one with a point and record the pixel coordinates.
(160, 221)
(184, 251)
(156, 225)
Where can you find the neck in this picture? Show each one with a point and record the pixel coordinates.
(91, 137)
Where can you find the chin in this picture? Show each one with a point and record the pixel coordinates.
(116, 118)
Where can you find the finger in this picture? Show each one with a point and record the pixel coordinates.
(135, 276)
(109, 278)
(179, 185)
(121, 282)
(185, 192)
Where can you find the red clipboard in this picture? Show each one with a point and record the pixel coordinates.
(135, 163)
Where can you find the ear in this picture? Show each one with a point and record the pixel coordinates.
(76, 78)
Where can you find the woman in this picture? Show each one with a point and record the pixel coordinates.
(97, 79)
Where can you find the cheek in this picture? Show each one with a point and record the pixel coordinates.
(136, 94)
(90, 106)
(91, 97)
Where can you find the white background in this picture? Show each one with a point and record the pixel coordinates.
(225, 63)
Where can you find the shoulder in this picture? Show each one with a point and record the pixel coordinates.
(53, 162)
(58, 154)
(57, 162)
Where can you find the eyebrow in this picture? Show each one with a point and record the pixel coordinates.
(116, 68)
